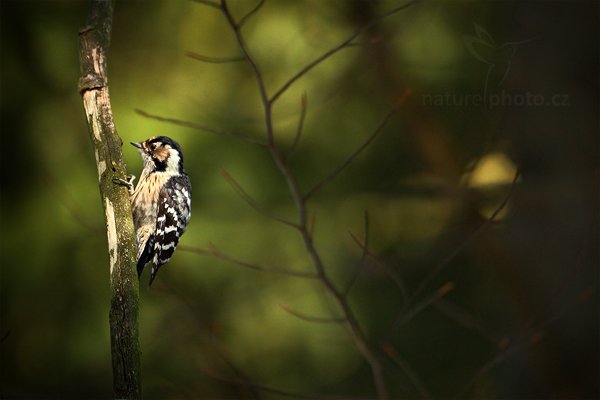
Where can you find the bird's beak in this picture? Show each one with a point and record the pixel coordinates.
(138, 145)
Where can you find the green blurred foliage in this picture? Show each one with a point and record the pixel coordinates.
(527, 281)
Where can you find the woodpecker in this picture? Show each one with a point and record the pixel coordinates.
(161, 202)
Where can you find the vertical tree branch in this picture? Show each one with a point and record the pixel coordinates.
(94, 41)
(350, 320)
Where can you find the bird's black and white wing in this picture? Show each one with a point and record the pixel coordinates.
(173, 216)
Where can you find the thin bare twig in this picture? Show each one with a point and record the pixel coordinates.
(429, 300)
(469, 239)
(66, 198)
(485, 368)
(343, 45)
(352, 156)
(287, 308)
(363, 258)
(268, 115)
(258, 75)
(213, 60)
(531, 336)
(205, 328)
(252, 203)
(435, 272)
(209, 3)
(224, 355)
(211, 250)
(250, 13)
(403, 366)
(363, 146)
(241, 378)
(303, 108)
(264, 388)
(466, 320)
(194, 125)
(385, 268)
(312, 225)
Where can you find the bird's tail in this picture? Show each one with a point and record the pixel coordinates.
(153, 275)
(144, 257)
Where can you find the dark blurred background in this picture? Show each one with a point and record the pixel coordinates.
(485, 88)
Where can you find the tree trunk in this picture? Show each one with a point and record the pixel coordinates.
(94, 40)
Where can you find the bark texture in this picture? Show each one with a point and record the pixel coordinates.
(94, 41)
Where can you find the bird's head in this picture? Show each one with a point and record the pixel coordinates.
(161, 154)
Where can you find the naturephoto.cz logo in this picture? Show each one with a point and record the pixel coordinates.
(501, 99)
(498, 59)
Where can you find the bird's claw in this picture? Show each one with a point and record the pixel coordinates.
(125, 182)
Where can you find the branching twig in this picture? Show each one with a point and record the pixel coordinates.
(485, 368)
(351, 322)
(343, 45)
(264, 388)
(386, 268)
(435, 272)
(258, 75)
(236, 370)
(363, 258)
(250, 13)
(356, 152)
(429, 300)
(194, 125)
(303, 225)
(466, 320)
(303, 108)
(206, 328)
(213, 251)
(287, 308)
(252, 203)
(469, 239)
(530, 337)
(403, 366)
